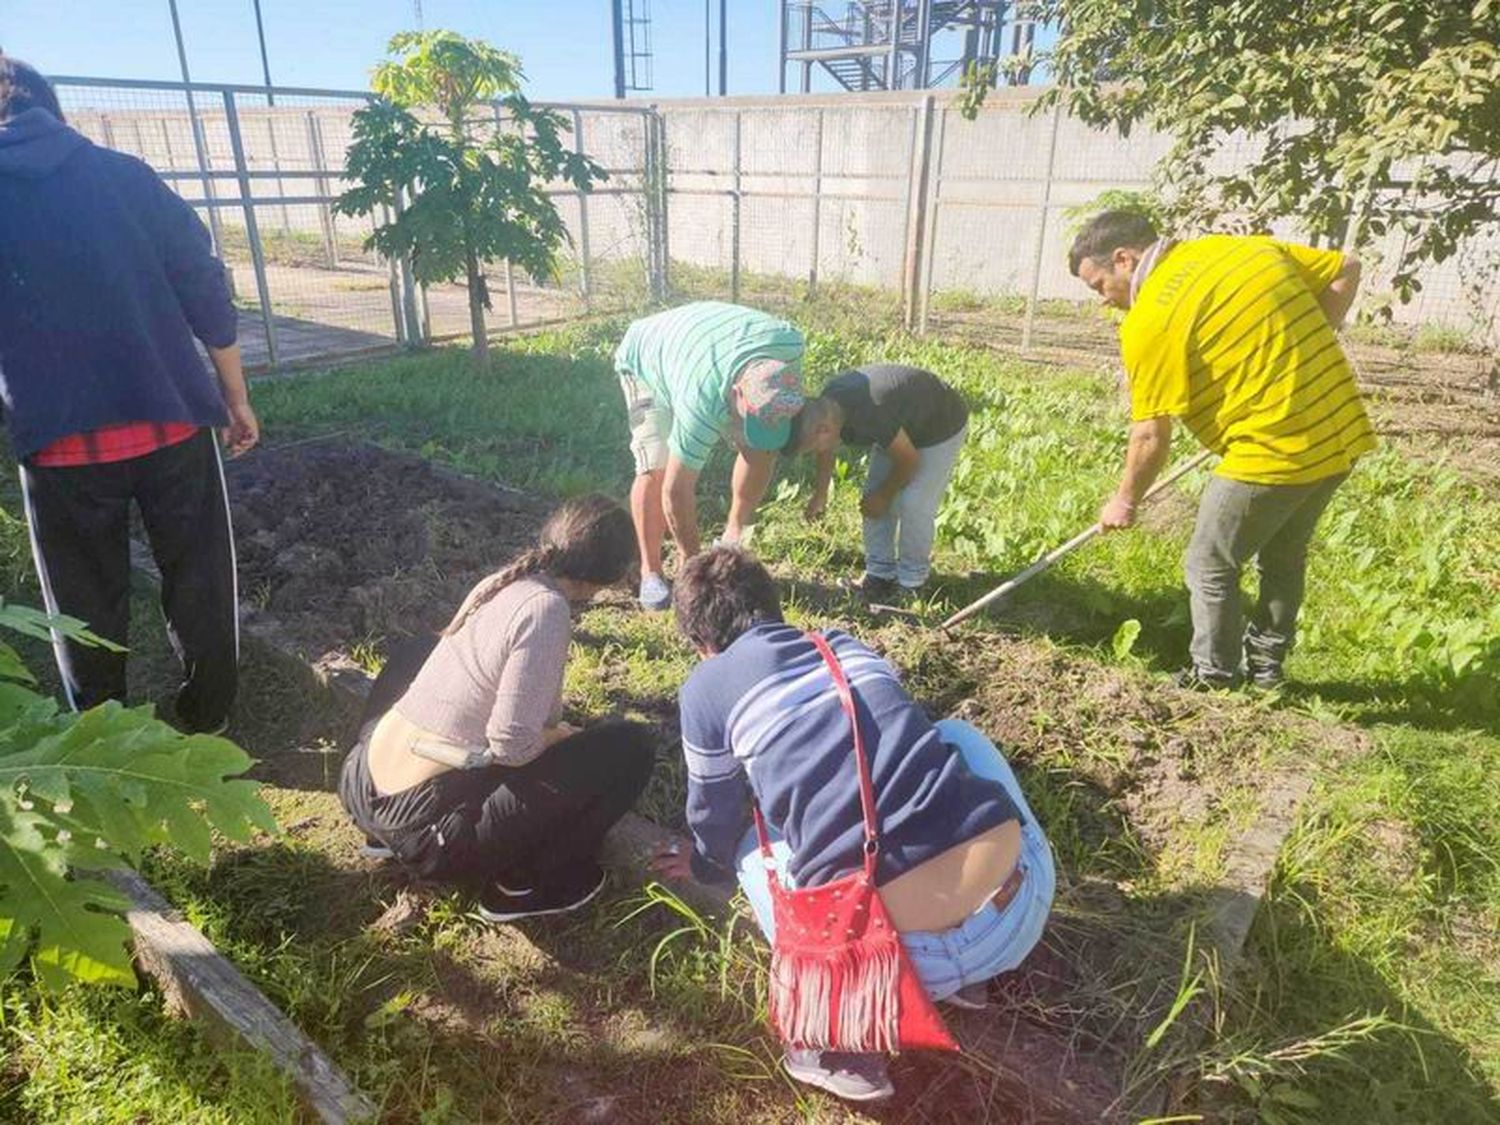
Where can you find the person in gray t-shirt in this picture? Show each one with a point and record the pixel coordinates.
(914, 425)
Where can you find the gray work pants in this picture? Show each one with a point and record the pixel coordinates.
(1273, 524)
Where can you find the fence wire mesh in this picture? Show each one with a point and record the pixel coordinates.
(894, 202)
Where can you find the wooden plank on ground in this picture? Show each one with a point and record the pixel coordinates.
(200, 982)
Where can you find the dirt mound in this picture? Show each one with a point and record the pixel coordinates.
(343, 543)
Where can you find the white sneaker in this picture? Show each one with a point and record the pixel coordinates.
(656, 594)
(845, 1074)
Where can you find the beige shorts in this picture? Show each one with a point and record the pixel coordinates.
(650, 424)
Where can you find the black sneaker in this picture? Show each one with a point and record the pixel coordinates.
(1192, 679)
(499, 903)
(873, 589)
(1268, 677)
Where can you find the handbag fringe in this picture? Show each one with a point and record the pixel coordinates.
(866, 984)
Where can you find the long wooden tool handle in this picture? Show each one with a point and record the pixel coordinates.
(1069, 547)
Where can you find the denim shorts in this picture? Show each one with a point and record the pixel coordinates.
(990, 941)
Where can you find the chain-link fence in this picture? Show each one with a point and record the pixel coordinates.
(892, 201)
(264, 168)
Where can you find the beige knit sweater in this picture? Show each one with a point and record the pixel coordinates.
(497, 681)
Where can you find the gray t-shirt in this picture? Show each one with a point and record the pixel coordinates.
(497, 681)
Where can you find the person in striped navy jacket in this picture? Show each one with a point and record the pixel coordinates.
(964, 868)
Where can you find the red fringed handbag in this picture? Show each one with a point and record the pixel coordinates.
(840, 977)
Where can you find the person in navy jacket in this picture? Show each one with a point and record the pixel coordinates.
(106, 278)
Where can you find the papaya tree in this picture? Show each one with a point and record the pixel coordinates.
(81, 793)
(1384, 114)
(454, 151)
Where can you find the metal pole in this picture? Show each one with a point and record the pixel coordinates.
(584, 278)
(781, 57)
(929, 228)
(807, 45)
(1059, 553)
(1041, 234)
(663, 187)
(265, 61)
(723, 47)
(817, 202)
(325, 211)
(921, 78)
(893, 63)
(510, 292)
(617, 9)
(734, 241)
(917, 210)
(252, 230)
(708, 41)
(198, 146)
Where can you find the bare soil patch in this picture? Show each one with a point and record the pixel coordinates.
(346, 544)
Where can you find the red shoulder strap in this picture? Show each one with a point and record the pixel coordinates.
(866, 785)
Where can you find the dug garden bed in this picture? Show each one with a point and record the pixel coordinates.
(1165, 809)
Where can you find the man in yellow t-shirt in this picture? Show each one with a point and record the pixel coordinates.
(1235, 336)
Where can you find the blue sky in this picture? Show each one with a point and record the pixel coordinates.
(564, 44)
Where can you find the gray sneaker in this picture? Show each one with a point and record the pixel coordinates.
(655, 593)
(853, 1077)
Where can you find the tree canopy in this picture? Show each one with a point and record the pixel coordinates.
(1383, 114)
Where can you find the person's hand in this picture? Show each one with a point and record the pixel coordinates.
(874, 505)
(673, 860)
(1117, 514)
(817, 506)
(243, 430)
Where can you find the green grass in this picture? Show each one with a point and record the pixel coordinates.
(1369, 993)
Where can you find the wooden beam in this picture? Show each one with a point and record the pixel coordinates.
(198, 981)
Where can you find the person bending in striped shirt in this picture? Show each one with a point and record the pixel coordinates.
(691, 375)
(1235, 336)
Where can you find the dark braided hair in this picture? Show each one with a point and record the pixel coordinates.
(588, 539)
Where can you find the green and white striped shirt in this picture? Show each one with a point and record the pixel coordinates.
(689, 357)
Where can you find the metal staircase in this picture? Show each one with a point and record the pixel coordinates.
(888, 44)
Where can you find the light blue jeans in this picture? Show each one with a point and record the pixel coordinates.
(899, 544)
(989, 941)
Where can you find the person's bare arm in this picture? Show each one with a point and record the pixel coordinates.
(753, 469)
(243, 430)
(817, 503)
(679, 498)
(1150, 445)
(1337, 298)
(905, 459)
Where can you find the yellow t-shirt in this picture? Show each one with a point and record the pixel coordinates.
(1227, 334)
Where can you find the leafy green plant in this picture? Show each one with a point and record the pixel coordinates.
(85, 792)
(468, 188)
(1381, 114)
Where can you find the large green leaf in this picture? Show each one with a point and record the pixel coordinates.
(89, 791)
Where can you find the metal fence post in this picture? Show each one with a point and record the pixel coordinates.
(817, 202)
(393, 274)
(325, 210)
(734, 239)
(510, 292)
(649, 174)
(916, 211)
(658, 124)
(585, 279)
(929, 231)
(252, 230)
(413, 298)
(1041, 235)
(210, 194)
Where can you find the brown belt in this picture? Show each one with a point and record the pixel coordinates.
(1007, 892)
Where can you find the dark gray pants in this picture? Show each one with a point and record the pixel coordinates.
(1273, 524)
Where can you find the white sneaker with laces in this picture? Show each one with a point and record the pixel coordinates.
(656, 594)
(845, 1074)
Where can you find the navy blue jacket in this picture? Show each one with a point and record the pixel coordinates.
(106, 275)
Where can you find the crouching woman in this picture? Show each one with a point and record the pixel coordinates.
(963, 868)
(464, 771)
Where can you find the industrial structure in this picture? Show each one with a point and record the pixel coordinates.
(898, 44)
(631, 21)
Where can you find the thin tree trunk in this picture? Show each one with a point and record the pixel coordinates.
(477, 296)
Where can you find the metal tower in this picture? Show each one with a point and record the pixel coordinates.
(632, 28)
(897, 44)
